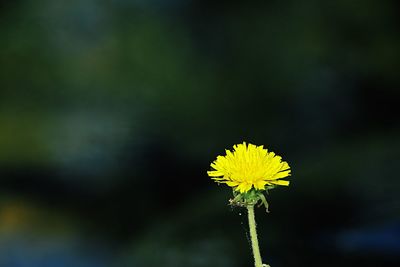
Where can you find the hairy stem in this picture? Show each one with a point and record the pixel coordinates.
(253, 236)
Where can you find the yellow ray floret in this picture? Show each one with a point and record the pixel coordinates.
(249, 166)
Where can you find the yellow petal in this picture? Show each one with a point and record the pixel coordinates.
(280, 182)
(218, 178)
(215, 173)
(260, 184)
(284, 166)
(232, 183)
(244, 187)
(281, 174)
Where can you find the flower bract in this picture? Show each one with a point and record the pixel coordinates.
(249, 166)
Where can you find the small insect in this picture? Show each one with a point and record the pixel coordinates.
(240, 200)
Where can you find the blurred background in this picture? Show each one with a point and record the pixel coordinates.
(111, 112)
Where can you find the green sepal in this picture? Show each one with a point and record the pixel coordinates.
(251, 197)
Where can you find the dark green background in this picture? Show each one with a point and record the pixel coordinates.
(111, 112)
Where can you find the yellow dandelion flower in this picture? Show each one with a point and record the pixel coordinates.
(249, 166)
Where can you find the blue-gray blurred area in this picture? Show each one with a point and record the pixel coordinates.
(111, 112)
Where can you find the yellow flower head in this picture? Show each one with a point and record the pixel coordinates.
(249, 166)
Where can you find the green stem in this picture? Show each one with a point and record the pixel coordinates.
(253, 236)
